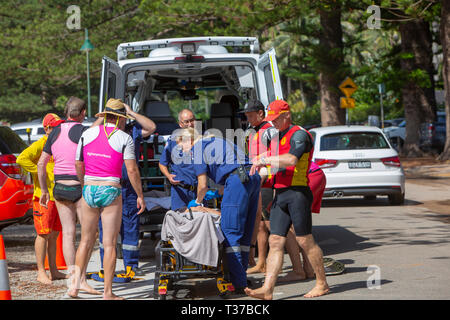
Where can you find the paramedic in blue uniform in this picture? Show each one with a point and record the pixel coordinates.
(181, 175)
(227, 165)
(139, 129)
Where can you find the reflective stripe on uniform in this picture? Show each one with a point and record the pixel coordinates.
(237, 249)
(129, 247)
(4, 279)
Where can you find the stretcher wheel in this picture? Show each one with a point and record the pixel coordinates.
(224, 287)
(162, 287)
(156, 284)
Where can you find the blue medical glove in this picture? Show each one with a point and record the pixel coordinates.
(192, 203)
(211, 195)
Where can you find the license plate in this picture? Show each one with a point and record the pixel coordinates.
(359, 164)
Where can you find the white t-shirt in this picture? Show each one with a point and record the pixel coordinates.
(118, 140)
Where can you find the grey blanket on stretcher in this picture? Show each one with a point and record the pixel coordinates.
(195, 239)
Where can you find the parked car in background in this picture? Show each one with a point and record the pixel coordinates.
(396, 134)
(16, 187)
(36, 131)
(393, 122)
(358, 160)
(433, 134)
(29, 131)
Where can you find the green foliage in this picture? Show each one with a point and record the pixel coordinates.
(42, 64)
(22, 107)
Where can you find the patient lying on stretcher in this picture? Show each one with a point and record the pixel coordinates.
(200, 209)
(194, 233)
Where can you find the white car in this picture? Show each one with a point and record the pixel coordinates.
(36, 129)
(358, 160)
(33, 127)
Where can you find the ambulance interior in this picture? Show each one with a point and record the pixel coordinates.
(214, 92)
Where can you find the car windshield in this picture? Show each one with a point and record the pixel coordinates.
(352, 141)
(21, 131)
(10, 143)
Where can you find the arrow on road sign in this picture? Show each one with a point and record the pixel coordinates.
(347, 103)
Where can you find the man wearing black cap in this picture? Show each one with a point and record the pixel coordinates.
(259, 136)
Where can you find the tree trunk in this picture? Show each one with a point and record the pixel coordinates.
(418, 99)
(331, 60)
(445, 40)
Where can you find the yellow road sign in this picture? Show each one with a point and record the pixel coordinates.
(347, 103)
(348, 87)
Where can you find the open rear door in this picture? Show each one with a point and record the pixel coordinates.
(111, 84)
(268, 69)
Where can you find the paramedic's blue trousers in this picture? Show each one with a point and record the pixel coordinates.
(129, 231)
(239, 206)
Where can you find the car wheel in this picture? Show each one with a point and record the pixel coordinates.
(397, 199)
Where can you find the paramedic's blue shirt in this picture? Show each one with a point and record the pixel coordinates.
(217, 158)
(180, 164)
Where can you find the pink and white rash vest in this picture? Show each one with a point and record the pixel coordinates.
(100, 159)
(63, 151)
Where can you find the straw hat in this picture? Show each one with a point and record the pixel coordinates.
(115, 107)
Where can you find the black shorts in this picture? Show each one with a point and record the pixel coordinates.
(267, 198)
(63, 192)
(291, 206)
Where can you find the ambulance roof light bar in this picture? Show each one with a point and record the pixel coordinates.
(187, 44)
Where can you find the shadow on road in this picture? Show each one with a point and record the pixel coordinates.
(335, 239)
(342, 287)
(361, 202)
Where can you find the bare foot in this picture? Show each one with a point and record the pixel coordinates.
(112, 297)
(317, 291)
(292, 276)
(87, 288)
(257, 269)
(260, 293)
(73, 293)
(43, 278)
(58, 276)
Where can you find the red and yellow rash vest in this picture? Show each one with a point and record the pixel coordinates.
(256, 147)
(293, 175)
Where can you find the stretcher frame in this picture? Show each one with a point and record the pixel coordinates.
(172, 267)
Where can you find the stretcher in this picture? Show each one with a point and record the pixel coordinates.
(172, 267)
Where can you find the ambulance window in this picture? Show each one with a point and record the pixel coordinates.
(111, 86)
(269, 83)
(245, 76)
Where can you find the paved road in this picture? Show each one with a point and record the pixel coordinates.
(400, 252)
